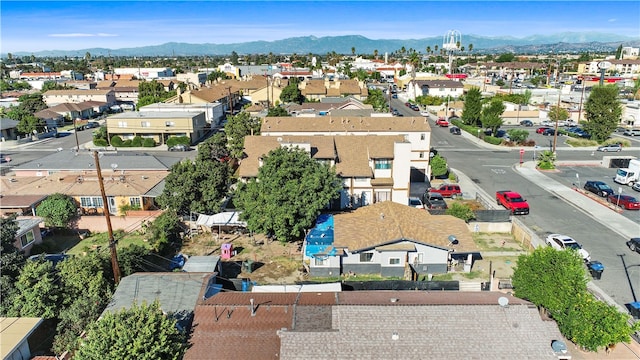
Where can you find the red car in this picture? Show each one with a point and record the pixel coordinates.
(442, 122)
(448, 190)
(542, 129)
(624, 201)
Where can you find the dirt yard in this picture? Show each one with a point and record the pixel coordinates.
(273, 262)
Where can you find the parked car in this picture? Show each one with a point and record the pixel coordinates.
(180, 147)
(4, 159)
(448, 190)
(624, 201)
(415, 107)
(407, 104)
(598, 187)
(563, 242)
(611, 147)
(455, 130)
(542, 129)
(526, 123)
(632, 132)
(634, 244)
(442, 122)
(416, 202)
(92, 124)
(549, 132)
(636, 186)
(548, 123)
(434, 201)
(394, 96)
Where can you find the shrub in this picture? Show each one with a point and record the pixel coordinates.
(178, 140)
(136, 142)
(148, 142)
(581, 142)
(493, 140)
(116, 141)
(100, 142)
(518, 135)
(528, 142)
(461, 211)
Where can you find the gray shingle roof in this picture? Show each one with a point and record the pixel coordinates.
(68, 160)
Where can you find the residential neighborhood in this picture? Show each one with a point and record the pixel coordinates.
(283, 206)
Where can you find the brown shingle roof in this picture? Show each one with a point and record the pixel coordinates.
(388, 222)
(76, 92)
(342, 125)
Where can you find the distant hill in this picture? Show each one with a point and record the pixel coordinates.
(570, 41)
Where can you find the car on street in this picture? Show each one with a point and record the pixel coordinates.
(433, 201)
(180, 147)
(624, 201)
(548, 123)
(542, 129)
(448, 190)
(526, 123)
(634, 244)
(91, 125)
(455, 130)
(598, 187)
(636, 186)
(442, 122)
(611, 147)
(407, 104)
(564, 242)
(414, 107)
(394, 96)
(632, 132)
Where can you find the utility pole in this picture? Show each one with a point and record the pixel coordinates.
(555, 132)
(112, 242)
(75, 131)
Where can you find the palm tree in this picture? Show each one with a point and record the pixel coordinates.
(470, 47)
(414, 60)
(428, 49)
(353, 51)
(375, 54)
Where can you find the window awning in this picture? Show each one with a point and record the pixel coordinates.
(382, 182)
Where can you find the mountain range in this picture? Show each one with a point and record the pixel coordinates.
(563, 42)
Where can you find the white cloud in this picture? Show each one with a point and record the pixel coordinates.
(78, 35)
(612, 20)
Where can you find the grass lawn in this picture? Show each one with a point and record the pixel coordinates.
(72, 243)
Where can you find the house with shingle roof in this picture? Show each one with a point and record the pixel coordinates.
(391, 167)
(389, 239)
(370, 325)
(222, 93)
(8, 129)
(317, 89)
(55, 97)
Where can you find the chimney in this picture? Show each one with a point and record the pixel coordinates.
(253, 309)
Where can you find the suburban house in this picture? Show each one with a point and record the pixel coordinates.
(130, 181)
(126, 91)
(51, 119)
(438, 88)
(82, 110)
(258, 89)
(411, 154)
(389, 239)
(8, 129)
(370, 325)
(158, 125)
(228, 95)
(19, 204)
(176, 292)
(329, 106)
(28, 234)
(55, 97)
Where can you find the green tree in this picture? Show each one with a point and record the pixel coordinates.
(11, 260)
(29, 124)
(291, 93)
(141, 332)
(378, 100)
(58, 210)
(603, 112)
(37, 294)
(217, 74)
(507, 57)
(491, 116)
(164, 232)
(178, 193)
(518, 135)
(438, 165)
(472, 107)
(214, 148)
(290, 191)
(234, 58)
(277, 111)
(151, 92)
(619, 52)
(236, 128)
(557, 113)
(461, 211)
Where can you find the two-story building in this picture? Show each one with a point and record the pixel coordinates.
(55, 97)
(438, 88)
(158, 125)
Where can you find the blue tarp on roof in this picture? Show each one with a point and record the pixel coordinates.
(320, 238)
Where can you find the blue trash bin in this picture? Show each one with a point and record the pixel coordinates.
(596, 268)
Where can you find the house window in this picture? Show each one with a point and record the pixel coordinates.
(135, 202)
(145, 124)
(320, 261)
(122, 124)
(27, 238)
(421, 155)
(383, 164)
(366, 257)
(169, 124)
(394, 261)
(423, 136)
(91, 202)
(360, 179)
(382, 196)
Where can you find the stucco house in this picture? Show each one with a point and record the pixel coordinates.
(28, 234)
(55, 97)
(388, 239)
(438, 88)
(8, 129)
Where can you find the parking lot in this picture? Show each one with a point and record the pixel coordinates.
(567, 176)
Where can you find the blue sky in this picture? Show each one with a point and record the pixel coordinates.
(31, 26)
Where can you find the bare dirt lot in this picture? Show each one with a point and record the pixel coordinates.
(272, 261)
